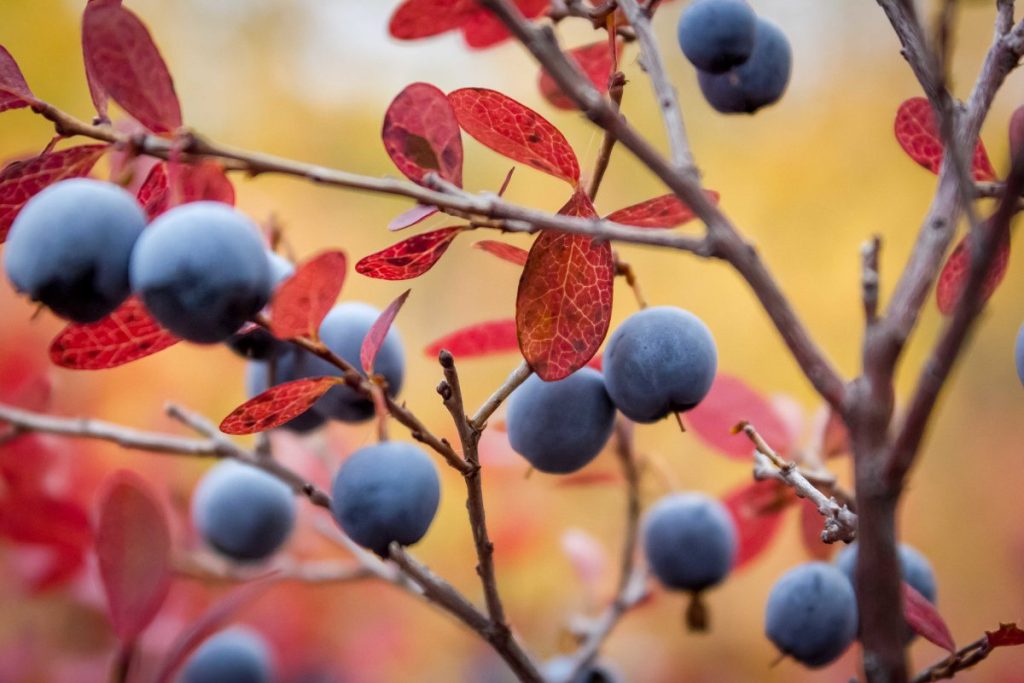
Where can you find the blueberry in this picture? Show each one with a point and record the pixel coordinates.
(259, 343)
(659, 361)
(202, 271)
(811, 614)
(689, 541)
(257, 381)
(386, 492)
(756, 83)
(1019, 354)
(915, 567)
(243, 512)
(557, 670)
(716, 35)
(237, 655)
(70, 245)
(561, 426)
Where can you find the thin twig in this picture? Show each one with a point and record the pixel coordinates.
(961, 660)
(518, 376)
(616, 88)
(869, 278)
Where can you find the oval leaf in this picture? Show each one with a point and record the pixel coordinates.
(508, 252)
(564, 302)
(756, 510)
(515, 131)
(14, 91)
(955, 273)
(375, 337)
(127, 334)
(153, 195)
(666, 211)
(171, 184)
(482, 29)
(276, 405)
(409, 218)
(120, 56)
(421, 134)
(424, 18)
(919, 137)
(409, 258)
(302, 301)
(482, 339)
(133, 546)
(924, 619)
(596, 60)
(729, 402)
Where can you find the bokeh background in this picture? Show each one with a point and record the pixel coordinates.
(808, 180)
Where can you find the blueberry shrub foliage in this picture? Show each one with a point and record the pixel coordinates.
(133, 272)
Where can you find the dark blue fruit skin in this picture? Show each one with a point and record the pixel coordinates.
(558, 669)
(257, 381)
(1019, 354)
(343, 331)
(70, 245)
(202, 271)
(689, 541)
(811, 614)
(561, 426)
(756, 83)
(915, 568)
(237, 655)
(716, 35)
(259, 344)
(386, 492)
(659, 361)
(243, 512)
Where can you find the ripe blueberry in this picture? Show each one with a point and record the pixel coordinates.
(689, 541)
(259, 343)
(716, 35)
(237, 655)
(759, 81)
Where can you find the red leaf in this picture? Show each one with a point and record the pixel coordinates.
(597, 62)
(171, 184)
(1016, 130)
(121, 57)
(919, 137)
(14, 91)
(133, 545)
(666, 211)
(127, 334)
(482, 339)
(515, 131)
(955, 273)
(409, 258)
(375, 337)
(61, 526)
(153, 195)
(589, 479)
(1007, 635)
(508, 252)
(756, 509)
(411, 217)
(301, 302)
(482, 29)
(925, 619)
(729, 402)
(424, 18)
(564, 302)
(22, 180)
(421, 134)
(276, 405)
(811, 525)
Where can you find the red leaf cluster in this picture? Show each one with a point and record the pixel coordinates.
(919, 137)
(375, 337)
(415, 19)
(596, 60)
(276, 405)
(481, 339)
(127, 334)
(957, 270)
(14, 91)
(421, 134)
(302, 301)
(409, 258)
(168, 185)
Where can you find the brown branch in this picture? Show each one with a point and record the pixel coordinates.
(961, 660)
(869, 278)
(518, 376)
(616, 88)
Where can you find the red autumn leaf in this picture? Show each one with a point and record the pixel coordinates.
(301, 302)
(120, 56)
(153, 195)
(1007, 635)
(14, 91)
(133, 546)
(589, 479)
(597, 362)
(21, 180)
(924, 619)
(481, 339)
(919, 137)
(596, 60)
(729, 402)
(515, 131)
(756, 510)
(409, 258)
(830, 436)
(508, 252)
(276, 405)
(171, 184)
(666, 211)
(957, 270)
(127, 334)
(421, 134)
(424, 18)
(409, 218)
(60, 526)
(564, 302)
(375, 337)
(811, 526)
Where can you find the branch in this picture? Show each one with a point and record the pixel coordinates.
(518, 376)
(616, 88)
(963, 659)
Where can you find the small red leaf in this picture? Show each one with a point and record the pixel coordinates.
(409, 258)
(276, 405)
(729, 402)
(515, 131)
(171, 184)
(22, 180)
(133, 545)
(666, 211)
(508, 252)
(955, 273)
(409, 218)
(424, 18)
(421, 134)
(127, 334)
(375, 337)
(482, 339)
(482, 29)
(153, 195)
(1007, 635)
(121, 57)
(811, 526)
(589, 479)
(564, 302)
(596, 60)
(924, 619)
(14, 91)
(60, 526)
(919, 137)
(301, 302)
(756, 509)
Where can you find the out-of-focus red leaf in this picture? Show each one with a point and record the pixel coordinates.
(421, 134)
(276, 405)
(564, 302)
(22, 180)
(23, 379)
(508, 252)
(375, 337)
(597, 62)
(127, 334)
(1007, 635)
(924, 619)
(14, 91)
(409, 258)
(170, 184)
(26, 462)
(588, 479)
(830, 436)
(666, 211)
(481, 339)
(60, 526)
(729, 402)
(515, 131)
(153, 195)
(424, 18)
(589, 559)
(1016, 129)
(953, 277)
(133, 545)
(811, 525)
(301, 302)
(409, 218)
(121, 57)
(597, 362)
(756, 509)
(919, 137)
